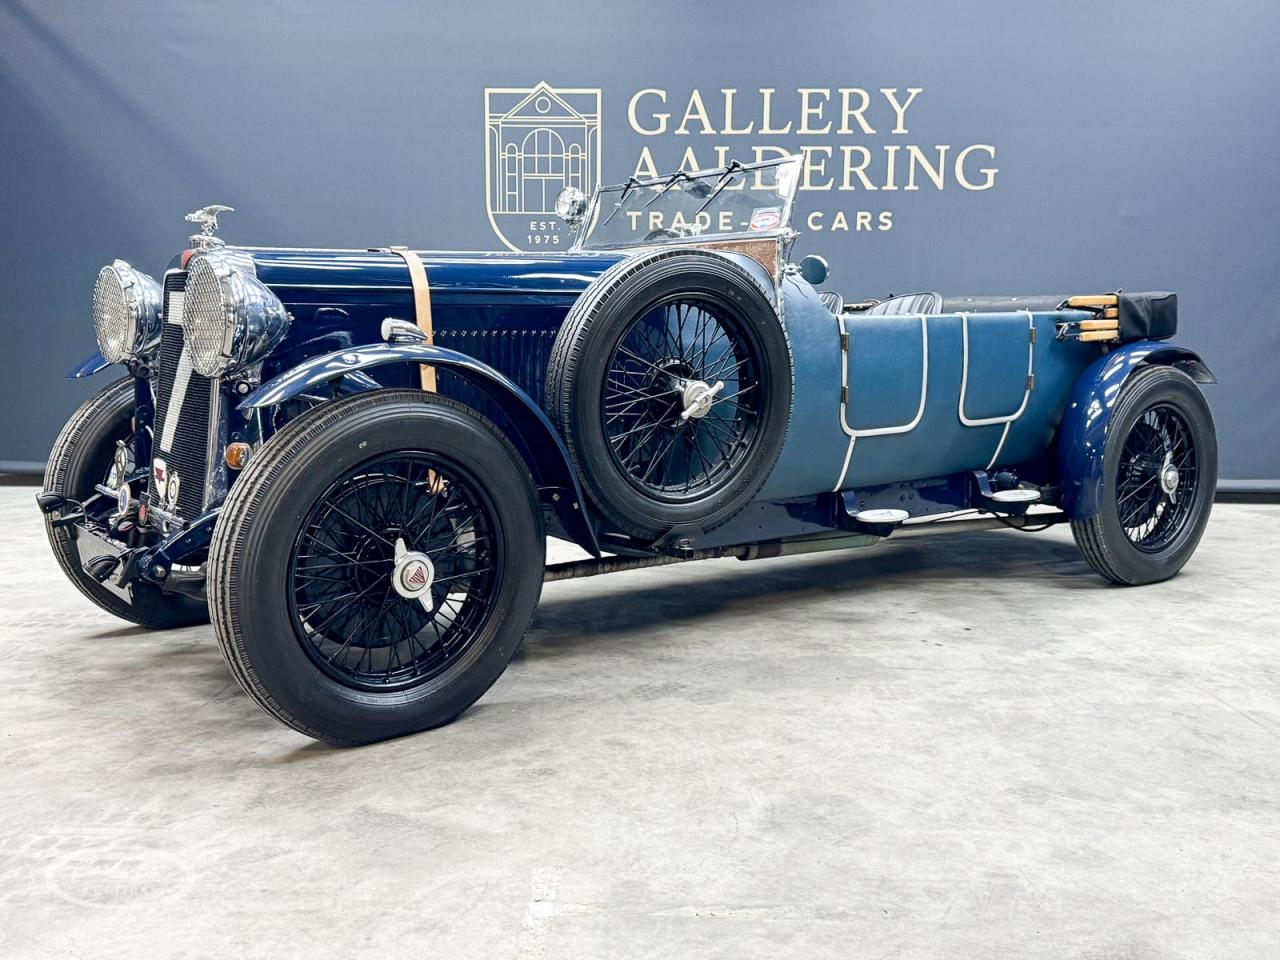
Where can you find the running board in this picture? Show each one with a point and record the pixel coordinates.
(875, 522)
(872, 521)
(1003, 497)
(795, 546)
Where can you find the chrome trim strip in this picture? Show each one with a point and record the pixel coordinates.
(215, 468)
(964, 375)
(844, 470)
(173, 412)
(1004, 435)
(849, 431)
(780, 234)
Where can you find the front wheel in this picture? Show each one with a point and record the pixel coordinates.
(1160, 470)
(96, 448)
(375, 567)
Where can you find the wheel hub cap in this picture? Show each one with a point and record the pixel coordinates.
(697, 398)
(413, 575)
(1169, 480)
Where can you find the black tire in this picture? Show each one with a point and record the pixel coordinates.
(81, 458)
(1139, 534)
(580, 374)
(256, 559)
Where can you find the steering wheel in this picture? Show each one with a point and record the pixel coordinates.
(662, 233)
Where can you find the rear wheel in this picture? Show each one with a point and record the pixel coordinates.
(376, 565)
(1160, 469)
(96, 447)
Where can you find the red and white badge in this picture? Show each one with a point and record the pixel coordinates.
(765, 218)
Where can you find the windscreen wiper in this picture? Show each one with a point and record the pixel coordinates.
(733, 168)
(671, 182)
(627, 187)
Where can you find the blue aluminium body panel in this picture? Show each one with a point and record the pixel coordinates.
(881, 399)
(989, 391)
(504, 309)
(811, 456)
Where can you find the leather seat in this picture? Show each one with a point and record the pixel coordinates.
(909, 304)
(832, 301)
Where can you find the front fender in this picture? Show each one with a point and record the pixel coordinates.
(538, 441)
(89, 366)
(1082, 436)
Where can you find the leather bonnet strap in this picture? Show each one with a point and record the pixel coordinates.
(421, 305)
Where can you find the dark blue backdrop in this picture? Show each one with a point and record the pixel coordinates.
(1132, 144)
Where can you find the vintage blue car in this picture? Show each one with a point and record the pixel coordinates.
(349, 460)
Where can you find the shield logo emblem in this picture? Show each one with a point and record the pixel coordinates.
(160, 480)
(538, 140)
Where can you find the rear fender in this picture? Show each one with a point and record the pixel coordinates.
(1082, 437)
(534, 436)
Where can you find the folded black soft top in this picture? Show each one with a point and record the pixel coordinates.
(1148, 316)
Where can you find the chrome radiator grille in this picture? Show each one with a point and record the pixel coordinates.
(183, 400)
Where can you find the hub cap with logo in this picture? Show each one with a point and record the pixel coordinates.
(394, 571)
(413, 575)
(681, 399)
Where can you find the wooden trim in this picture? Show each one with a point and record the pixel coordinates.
(1093, 301)
(763, 252)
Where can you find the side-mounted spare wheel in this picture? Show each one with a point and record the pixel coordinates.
(376, 565)
(83, 456)
(671, 382)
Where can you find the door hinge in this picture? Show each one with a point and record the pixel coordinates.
(844, 395)
(1031, 381)
(844, 342)
(1033, 334)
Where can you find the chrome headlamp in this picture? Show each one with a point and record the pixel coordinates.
(230, 320)
(126, 312)
(571, 205)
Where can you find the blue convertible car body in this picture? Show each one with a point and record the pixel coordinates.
(873, 418)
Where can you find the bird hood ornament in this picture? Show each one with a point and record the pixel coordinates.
(207, 217)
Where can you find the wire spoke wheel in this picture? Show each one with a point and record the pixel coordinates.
(671, 383)
(88, 453)
(376, 565)
(680, 408)
(1158, 478)
(1155, 489)
(394, 570)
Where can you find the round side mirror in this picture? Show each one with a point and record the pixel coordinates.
(814, 269)
(571, 205)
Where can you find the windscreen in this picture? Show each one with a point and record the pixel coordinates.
(737, 199)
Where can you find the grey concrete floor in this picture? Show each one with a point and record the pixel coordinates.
(956, 747)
